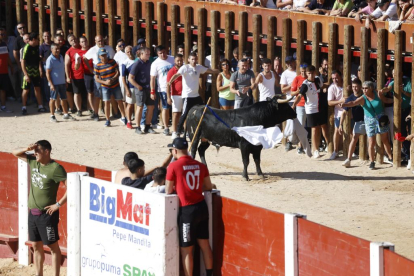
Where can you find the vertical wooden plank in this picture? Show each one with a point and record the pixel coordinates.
(188, 13)
(64, 16)
(98, 20)
(75, 18)
(215, 55)
(149, 17)
(300, 42)
(257, 29)
(316, 39)
(228, 38)
(271, 34)
(286, 39)
(201, 48)
(161, 23)
(136, 29)
(9, 17)
(174, 29)
(53, 17)
(42, 17)
(87, 9)
(332, 65)
(381, 59)
(124, 19)
(398, 74)
(19, 12)
(111, 23)
(412, 110)
(30, 14)
(363, 147)
(242, 33)
(348, 42)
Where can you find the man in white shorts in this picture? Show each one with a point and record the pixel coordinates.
(129, 95)
(174, 94)
(159, 71)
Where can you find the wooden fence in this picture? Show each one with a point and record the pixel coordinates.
(281, 31)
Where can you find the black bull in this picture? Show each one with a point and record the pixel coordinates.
(268, 114)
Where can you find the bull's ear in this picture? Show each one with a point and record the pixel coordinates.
(268, 99)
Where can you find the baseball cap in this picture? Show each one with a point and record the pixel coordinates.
(382, 2)
(102, 51)
(179, 143)
(289, 59)
(141, 41)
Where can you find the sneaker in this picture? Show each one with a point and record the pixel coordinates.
(316, 154)
(59, 111)
(53, 119)
(4, 109)
(133, 117)
(138, 130)
(150, 130)
(333, 156)
(288, 146)
(90, 111)
(79, 113)
(387, 160)
(24, 111)
(73, 110)
(372, 166)
(409, 165)
(174, 135)
(107, 123)
(124, 121)
(117, 116)
(167, 132)
(300, 151)
(42, 109)
(129, 125)
(68, 117)
(347, 163)
(160, 127)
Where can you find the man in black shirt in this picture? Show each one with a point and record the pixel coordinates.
(19, 44)
(319, 7)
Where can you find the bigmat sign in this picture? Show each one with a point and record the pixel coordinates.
(126, 231)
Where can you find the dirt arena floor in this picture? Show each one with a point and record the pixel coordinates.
(374, 205)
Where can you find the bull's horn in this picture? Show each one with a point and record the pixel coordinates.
(284, 101)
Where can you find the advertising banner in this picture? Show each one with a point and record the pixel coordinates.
(126, 231)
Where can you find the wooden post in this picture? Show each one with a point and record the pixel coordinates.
(398, 74)
(412, 111)
(257, 29)
(42, 17)
(381, 59)
(286, 39)
(161, 18)
(363, 147)
(188, 13)
(125, 20)
(19, 12)
(316, 39)
(149, 17)
(242, 33)
(64, 16)
(9, 17)
(174, 29)
(111, 23)
(348, 42)
(136, 29)
(98, 12)
(75, 18)
(201, 46)
(53, 17)
(300, 44)
(332, 65)
(228, 39)
(30, 14)
(271, 34)
(88, 19)
(215, 55)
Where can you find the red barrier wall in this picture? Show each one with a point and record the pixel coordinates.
(396, 265)
(247, 240)
(325, 251)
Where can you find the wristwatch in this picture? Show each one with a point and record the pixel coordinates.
(58, 205)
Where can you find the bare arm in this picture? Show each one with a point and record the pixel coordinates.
(131, 80)
(54, 207)
(67, 68)
(176, 75)
(297, 100)
(49, 79)
(16, 55)
(164, 164)
(219, 82)
(152, 82)
(279, 4)
(88, 65)
(212, 71)
(21, 152)
(207, 186)
(169, 187)
(359, 101)
(126, 87)
(285, 88)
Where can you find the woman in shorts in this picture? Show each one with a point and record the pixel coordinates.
(226, 98)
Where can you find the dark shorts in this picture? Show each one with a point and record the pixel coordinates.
(35, 81)
(89, 83)
(5, 83)
(44, 228)
(314, 120)
(143, 97)
(69, 88)
(60, 89)
(78, 86)
(193, 223)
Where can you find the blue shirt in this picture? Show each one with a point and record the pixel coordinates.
(141, 71)
(57, 67)
(357, 111)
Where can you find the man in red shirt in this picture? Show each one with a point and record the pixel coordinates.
(5, 63)
(190, 178)
(174, 94)
(300, 107)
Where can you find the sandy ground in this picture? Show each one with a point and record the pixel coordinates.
(374, 205)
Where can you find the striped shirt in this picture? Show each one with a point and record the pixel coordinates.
(106, 71)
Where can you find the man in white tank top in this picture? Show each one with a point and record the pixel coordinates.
(266, 81)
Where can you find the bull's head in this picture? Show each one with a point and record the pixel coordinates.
(283, 108)
(278, 99)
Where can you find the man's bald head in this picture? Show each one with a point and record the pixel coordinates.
(99, 41)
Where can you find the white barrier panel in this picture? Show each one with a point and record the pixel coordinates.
(24, 254)
(126, 231)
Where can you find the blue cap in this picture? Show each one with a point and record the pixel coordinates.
(289, 59)
(102, 51)
(141, 41)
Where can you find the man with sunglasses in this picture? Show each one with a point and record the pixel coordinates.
(18, 45)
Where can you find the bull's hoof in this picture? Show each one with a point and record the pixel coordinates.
(246, 178)
(262, 176)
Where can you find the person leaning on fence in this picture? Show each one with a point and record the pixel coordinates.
(157, 185)
(386, 11)
(363, 12)
(342, 8)
(189, 178)
(124, 171)
(322, 7)
(375, 121)
(46, 175)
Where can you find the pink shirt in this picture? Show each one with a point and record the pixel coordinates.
(367, 10)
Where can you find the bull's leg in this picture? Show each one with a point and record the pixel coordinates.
(256, 158)
(244, 148)
(202, 151)
(194, 145)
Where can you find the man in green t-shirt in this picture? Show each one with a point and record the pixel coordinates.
(45, 177)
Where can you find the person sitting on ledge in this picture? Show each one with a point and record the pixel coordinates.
(124, 172)
(386, 11)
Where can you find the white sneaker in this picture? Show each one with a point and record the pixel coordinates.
(409, 165)
(347, 163)
(316, 154)
(387, 160)
(333, 156)
(174, 135)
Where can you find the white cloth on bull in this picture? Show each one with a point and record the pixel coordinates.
(257, 135)
(298, 131)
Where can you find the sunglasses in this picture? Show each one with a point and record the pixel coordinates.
(224, 64)
(303, 66)
(364, 87)
(19, 28)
